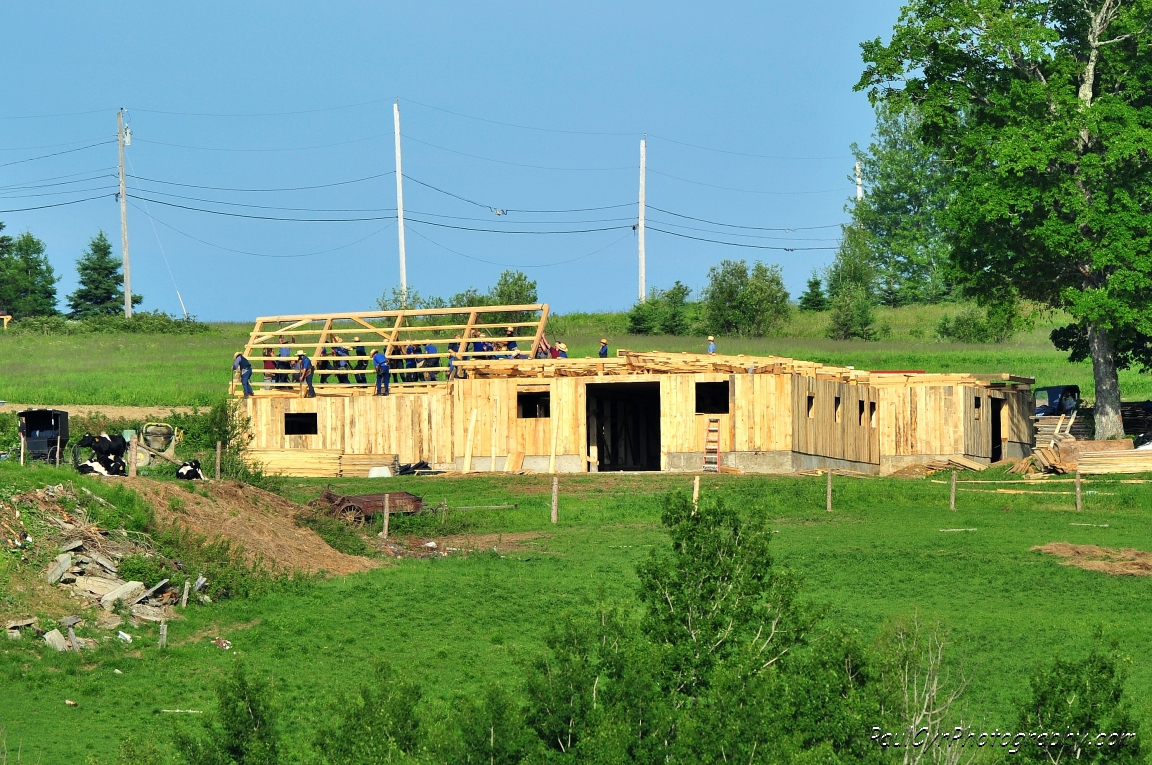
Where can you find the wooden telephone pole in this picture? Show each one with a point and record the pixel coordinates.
(640, 221)
(124, 138)
(400, 207)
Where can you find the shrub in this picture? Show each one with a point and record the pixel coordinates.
(378, 724)
(665, 312)
(242, 731)
(140, 568)
(742, 302)
(851, 315)
(143, 322)
(995, 325)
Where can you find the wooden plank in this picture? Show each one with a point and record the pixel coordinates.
(471, 441)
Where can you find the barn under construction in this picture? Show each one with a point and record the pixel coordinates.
(469, 393)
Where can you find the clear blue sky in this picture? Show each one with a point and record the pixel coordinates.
(760, 78)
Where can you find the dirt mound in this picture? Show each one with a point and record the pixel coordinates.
(260, 521)
(1124, 562)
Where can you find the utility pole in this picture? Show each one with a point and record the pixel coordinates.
(123, 139)
(640, 223)
(859, 182)
(400, 207)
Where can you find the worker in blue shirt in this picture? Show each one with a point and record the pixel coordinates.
(245, 367)
(711, 345)
(563, 351)
(603, 352)
(432, 363)
(380, 364)
(362, 363)
(511, 345)
(305, 370)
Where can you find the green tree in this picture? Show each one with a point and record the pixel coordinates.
(853, 265)
(1043, 111)
(101, 290)
(665, 312)
(492, 729)
(908, 188)
(242, 731)
(813, 297)
(851, 315)
(27, 280)
(739, 302)
(378, 724)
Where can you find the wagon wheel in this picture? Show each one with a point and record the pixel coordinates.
(353, 515)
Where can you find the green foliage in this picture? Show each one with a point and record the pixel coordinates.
(242, 731)
(27, 280)
(141, 322)
(665, 312)
(377, 724)
(134, 751)
(1085, 697)
(995, 325)
(143, 568)
(512, 288)
(335, 532)
(101, 290)
(813, 297)
(492, 729)
(742, 302)
(853, 266)
(908, 189)
(850, 315)
(122, 508)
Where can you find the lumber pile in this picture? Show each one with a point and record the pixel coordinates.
(1048, 460)
(321, 463)
(1125, 461)
(1026, 466)
(956, 462)
(1058, 427)
(1069, 450)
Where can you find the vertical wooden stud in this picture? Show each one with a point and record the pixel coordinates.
(829, 492)
(1079, 501)
(58, 452)
(555, 499)
(495, 425)
(952, 492)
(219, 447)
(21, 448)
(469, 443)
(552, 453)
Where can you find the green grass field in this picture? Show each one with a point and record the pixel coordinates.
(175, 370)
(454, 623)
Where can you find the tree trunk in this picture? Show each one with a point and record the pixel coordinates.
(1108, 423)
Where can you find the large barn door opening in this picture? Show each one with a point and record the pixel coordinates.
(624, 426)
(997, 451)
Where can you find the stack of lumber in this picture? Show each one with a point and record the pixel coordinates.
(1026, 466)
(1069, 451)
(956, 462)
(1048, 460)
(1078, 425)
(320, 463)
(1129, 461)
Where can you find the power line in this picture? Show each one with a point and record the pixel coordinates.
(48, 116)
(54, 193)
(746, 191)
(32, 186)
(512, 210)
(515, 164)
(511, 124)
(744, 236)
(58, 153)
(291, 188)
(24, 184)
(505, 231)
(741, 153)
(58, 204)
(521, 265)
(290, 148)
(258, 254)
(271, 207)
(263, 217)
(266, 114)
(534, 222)
(741, 244)
(46, 146)
(735, 225)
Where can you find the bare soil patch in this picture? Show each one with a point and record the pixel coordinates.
(258, 521)
(1124, 562)
(456, 544)
(113, 412)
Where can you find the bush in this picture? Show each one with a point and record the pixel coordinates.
(378, 724)
(243, 729)
(665, 312)
(742, 302)
(335, 532)
(148, 570)
(995, 325)
(143, 322)
(851, 315)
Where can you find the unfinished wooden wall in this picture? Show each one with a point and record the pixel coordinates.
(834, 419)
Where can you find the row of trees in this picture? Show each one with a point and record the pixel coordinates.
(724, 662)
(28, 281)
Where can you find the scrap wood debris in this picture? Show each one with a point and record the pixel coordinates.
(1123, 562)
(455, 544)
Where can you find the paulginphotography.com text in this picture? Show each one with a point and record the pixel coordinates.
(1012, 741)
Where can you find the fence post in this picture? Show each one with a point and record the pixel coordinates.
(829, 489)
(163, 634)
(218, 448)
(555, 498)
(58, 449)
(132, 451)
(695, 493)
(1079, 502)
(387, 512)
(952, 493)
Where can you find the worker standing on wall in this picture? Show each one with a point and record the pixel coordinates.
(341, 352)
(361, 361)
(603, 352)
(304, 371)
(711, 345)
(380, 364)
(511, 345)
(562, 351)
(245, 367)
(432, 363)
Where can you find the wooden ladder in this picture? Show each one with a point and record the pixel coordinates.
(712, 446)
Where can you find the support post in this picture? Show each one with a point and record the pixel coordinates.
(952, 492)
(21, 448)
(555, 499)
(495, 425)
(468, 444)
(58, 450)
(132, 452)
(1079, 501)
(695, 493)
(219, 447)
(120, 141)
(400, 206)
(387, 513)
(640, 219)
(163, 634)
(184, 598)
(829, 492)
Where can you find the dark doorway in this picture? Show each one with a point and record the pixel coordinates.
(997, 432)
(624, 425)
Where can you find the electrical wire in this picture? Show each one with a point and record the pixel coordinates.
(520, 265)
(738, 244)
(160, 244)
(48, 116)
(58, 153)
(510, 209)
(26, 184)
(270, 207)
(290, 148)
(55, 193)
(630, 219)
(266, 114)
(743, 236)
(516, 164)
(505, 231)
(46, 146)
(259, 254)
(746, 191)
(741, 153)
(58, 204)
(735, 225)
(510, 124)
(290, 188)
(264, 217)
(33, 187)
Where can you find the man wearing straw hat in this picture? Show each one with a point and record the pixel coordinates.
(362, 363)
(304, 371)
(563, 351)
(711, 345)
(245, 366)
(603, 352)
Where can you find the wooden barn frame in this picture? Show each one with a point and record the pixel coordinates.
(634, 411)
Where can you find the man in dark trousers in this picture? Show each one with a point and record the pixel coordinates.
(361, 361)
(603, 353)
(380, 364)
(245, 367)
(304, 371)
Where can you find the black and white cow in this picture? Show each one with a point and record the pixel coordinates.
(190, 471)
(107, 454)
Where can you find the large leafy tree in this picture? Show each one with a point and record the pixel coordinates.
(27, 280)
(101, 290)
(1043, 110)
(743, 301)
(908, 190)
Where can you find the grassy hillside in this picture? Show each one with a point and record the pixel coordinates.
(194, 370)
(454, 623)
